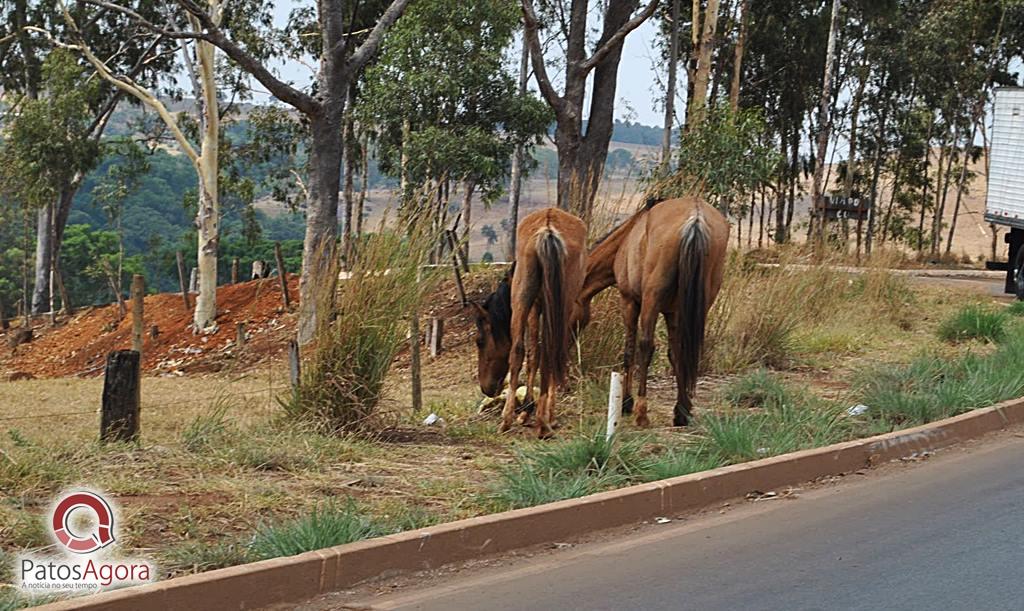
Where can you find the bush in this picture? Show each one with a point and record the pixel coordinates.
(973, 322)
(361, 329)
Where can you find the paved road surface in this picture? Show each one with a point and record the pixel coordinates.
(947, 533)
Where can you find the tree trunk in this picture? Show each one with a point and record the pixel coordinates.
(924, 193)
(516, 187)
(364, 185)
(851, 159)
(824, 121)
(876, 172)
(468, 187)
(737, 62)
(350, 171)
(208, 215)
(960, 184)
(780, 208)
(670, 91)
(698, 104)
(44, 259)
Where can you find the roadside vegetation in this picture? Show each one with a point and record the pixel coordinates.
(227, 477)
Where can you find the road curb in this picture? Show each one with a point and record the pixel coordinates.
(288, 580)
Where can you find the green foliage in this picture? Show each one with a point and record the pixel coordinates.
(974, 322)
(726, 157)
(1015, 309)
(49, 142)
(86, 255)
(452, 87)
(757, 389)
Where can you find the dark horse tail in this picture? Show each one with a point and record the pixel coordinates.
(554, 307)
(691, 300)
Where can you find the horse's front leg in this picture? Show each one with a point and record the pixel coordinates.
(630, 314)
(515, 363)
(648, 320)
(532, 356)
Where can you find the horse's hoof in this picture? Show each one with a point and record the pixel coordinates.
(627, 404)
(545, 432)
(523, 418)
(677, 421)
(504, 426)
(643, 421)
(681, 416)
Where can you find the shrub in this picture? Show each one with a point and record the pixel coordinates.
(360, 330)
(973, 322)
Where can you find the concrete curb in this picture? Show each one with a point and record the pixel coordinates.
(288, 580)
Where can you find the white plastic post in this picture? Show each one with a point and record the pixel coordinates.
(614, 404)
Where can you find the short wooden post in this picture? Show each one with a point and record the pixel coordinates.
(119, 420)
(154, 332)
(614, 404)
(234, 271)
(435, 333)
(138, 301)
(181, 281)
(193, 281)
(4, 324)
(240, 334)
(282, 275)
(294, 367)
(415, 366)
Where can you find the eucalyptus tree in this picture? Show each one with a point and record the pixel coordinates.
(22, 53)
(445, 105)
(581, 154)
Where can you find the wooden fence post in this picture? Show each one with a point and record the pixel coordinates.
(119, 420)
(240, 334)
(181, 281)
(415, 365)
(138, 301)
(294, 368)
(4, 325)
(234, 271)
(282, 275)
(193, 281)
(435, 332)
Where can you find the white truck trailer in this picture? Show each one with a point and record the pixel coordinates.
(1005, 202)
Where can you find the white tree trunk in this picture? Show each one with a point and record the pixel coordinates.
(208, 217)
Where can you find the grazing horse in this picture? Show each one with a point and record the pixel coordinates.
(667, 259)
(540, 297)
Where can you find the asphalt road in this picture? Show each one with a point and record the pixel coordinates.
(945, 533)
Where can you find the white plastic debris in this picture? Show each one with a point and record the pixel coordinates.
(762, 451)
(662, 520)
(857, 410)
(433, 420)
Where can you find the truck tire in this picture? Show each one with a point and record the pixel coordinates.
(1018, 274)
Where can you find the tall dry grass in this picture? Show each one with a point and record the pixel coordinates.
(368, 320)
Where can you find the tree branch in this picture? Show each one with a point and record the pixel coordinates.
(531, 38)
(368, 49)
(303, 102)
(619, 36)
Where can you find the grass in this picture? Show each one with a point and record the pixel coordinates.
(974, 322)
(1015, 309)
(216, 472)
(935, 386)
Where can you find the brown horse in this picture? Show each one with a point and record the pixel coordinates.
(668, 258)
(540, 297)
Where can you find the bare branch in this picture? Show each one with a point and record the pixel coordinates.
(139, 19)
(532, 39)
(369, 47)
(619, 36)
(303, 102)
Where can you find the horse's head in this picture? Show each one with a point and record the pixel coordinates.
(493, 338)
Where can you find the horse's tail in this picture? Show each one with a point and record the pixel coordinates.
(555, 308)
(691, 300)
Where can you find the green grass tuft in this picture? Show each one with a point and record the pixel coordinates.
(974, 322)
(757, 389)
(1015, 309)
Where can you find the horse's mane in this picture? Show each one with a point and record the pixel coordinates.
(499, 307)
(648, 204)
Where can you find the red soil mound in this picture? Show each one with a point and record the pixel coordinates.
(79, 346)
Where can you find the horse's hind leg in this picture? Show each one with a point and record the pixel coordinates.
(544, 414)
(630, 314)
(684, 404)
(524, 293)
(532, 355)
(648, 319)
